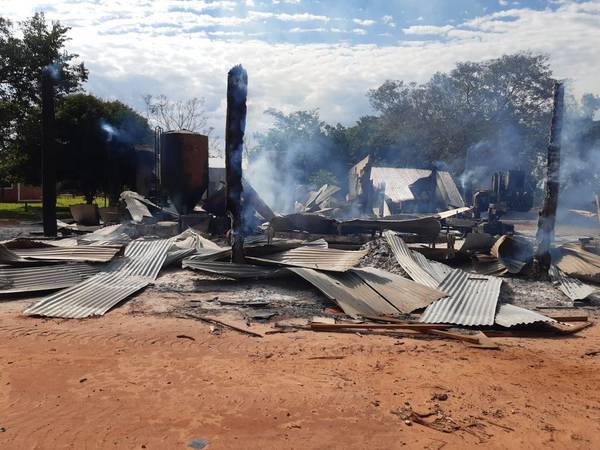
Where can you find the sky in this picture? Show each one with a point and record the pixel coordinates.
(306, 54)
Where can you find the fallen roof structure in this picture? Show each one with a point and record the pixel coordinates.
(43, 278)
(472, 301)
(140, 265)
(310, 257)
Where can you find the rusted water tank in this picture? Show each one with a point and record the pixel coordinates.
(184, 168)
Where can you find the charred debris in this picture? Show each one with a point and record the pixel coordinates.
(398, 251)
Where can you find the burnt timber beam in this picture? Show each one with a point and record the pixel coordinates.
(235, 124)
(547, 218)
(48, 153)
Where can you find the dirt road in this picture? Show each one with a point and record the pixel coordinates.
(127, 381)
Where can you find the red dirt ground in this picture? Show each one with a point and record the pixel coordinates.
(128, 381)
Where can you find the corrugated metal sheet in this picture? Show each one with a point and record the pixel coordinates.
(447, 190)
(43, 278)
(349, 291)
(396, 182)
(413, 263)
(315, 258)
(124, 276)
(136, 205)
(84, 253)
(571, 287)
(406, 295)
(511, 315)
(473, 299)
(238, 271)
(577, 262)
(7, 256)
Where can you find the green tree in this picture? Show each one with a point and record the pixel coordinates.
(23, 56)
(502, 105)
(98, 139)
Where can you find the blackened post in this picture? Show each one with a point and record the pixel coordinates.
(48, 154)
(545, 231)
(235, 124)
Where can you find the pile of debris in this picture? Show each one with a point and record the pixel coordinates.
(400, 282)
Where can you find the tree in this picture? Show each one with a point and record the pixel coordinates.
(491, 107)
(22, 58)
(98, 144)
(181, 115)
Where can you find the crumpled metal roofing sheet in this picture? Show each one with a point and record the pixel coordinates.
(349, 291)
(406, 295)
(571, 287)
(8, 256)
(510, 315)
(473, 299)
(124, 276)
(83, 253)
(238, 271)
(416, 265)
(577, 262)
(315, 258)
(43, 278)
(396, 182)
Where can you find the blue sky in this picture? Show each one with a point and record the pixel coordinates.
(303, 54)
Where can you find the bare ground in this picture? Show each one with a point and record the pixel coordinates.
(131, 380)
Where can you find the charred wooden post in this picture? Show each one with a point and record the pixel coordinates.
(235, 124)
(546, 221)
(48, 153)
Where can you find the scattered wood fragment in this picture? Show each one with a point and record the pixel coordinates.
(327, 357)
(378, 326)
(568, 318)
(224, 324)
(504, 427)
(185, 336)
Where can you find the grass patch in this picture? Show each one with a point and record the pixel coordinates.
(33, 211)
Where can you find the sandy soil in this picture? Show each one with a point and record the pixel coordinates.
(130, 380)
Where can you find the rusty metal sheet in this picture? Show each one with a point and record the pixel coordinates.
(406, 295)
(472, 301)
(349, 291)
(328, 259)
(510, 315)
(43, 278)
(123, 277)
(571, 287)
(577, 262)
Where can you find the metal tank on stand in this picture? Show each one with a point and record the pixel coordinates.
(183, 168)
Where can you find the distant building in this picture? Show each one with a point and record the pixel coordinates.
(18, 192)
(385, 191)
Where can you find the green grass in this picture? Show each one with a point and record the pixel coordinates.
(33, 211)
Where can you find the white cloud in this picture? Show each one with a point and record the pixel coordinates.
(389, 21)
(307, 30)
(364, 22)
(162, 51)
(359, 31)
(503, 2)
(427, 29)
